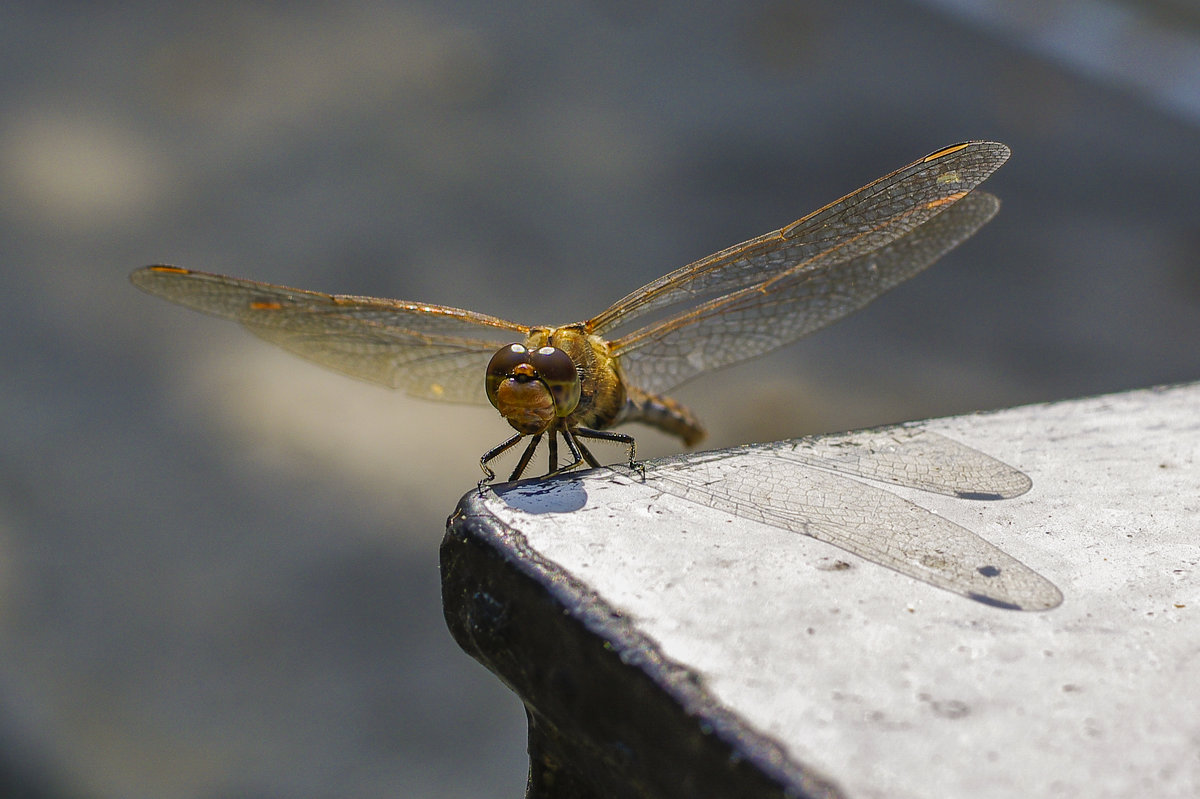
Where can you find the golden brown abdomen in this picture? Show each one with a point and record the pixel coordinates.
(664, 413)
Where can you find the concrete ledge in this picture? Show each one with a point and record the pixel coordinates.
(673, 636)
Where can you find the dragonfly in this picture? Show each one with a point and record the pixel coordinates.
(579, 380)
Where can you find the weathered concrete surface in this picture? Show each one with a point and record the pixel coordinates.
(889, 686)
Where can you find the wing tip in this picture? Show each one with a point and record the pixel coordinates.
(1000, 148)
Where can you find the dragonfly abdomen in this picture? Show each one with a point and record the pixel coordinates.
(664, 413)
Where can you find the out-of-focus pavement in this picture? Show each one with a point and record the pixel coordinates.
(218, 564)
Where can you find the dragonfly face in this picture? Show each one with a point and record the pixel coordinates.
(580, 380)
(532, 388)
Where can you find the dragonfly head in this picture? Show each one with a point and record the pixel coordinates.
(531, 388)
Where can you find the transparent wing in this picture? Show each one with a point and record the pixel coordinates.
(908, 456)
(429, 351)
(753, 483)
(774, 289)
(857, 223)
(791, 305)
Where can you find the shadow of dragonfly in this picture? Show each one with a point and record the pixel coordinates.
(806, 486)
(803, 486)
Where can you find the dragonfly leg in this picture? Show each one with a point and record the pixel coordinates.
(525, 458)
(580, 453)
(552, 445)
(491, 455)
(573, 446)
(608, 435)
(587, 455)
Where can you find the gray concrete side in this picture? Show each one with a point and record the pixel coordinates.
(882, 681)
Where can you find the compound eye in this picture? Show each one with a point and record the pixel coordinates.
(506, 359)
(557, 371)
(503, 366)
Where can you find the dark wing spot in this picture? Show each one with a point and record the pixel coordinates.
(978, 495)
(995, 603)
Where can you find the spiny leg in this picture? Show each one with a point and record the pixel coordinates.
(580, 453)
(609, 435)
(587, 455)
(491, 455)
(574, 448)
(525, 457)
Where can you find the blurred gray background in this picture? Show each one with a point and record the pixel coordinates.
(218, 563)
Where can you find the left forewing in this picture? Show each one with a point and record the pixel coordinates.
(429, 351)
